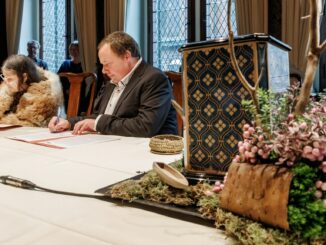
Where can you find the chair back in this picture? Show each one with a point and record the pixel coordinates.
(75, 81)
(176, 79)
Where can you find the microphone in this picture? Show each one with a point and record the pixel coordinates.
(17, 182)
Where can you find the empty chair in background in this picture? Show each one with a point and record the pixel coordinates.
(77, 84)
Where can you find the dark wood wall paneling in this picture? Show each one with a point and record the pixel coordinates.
(3, 37)
(275, 18)
(150, 31)
(191, 21)
(99, 37)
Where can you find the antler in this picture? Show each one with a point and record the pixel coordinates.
(314, 53)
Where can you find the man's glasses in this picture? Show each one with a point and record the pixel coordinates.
(2, 77)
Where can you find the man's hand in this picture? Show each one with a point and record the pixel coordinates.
(86, 125)
(57, 124)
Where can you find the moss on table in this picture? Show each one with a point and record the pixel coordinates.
(244, 230)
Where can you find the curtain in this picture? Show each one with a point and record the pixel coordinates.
(14, 14)
(114, 16)
(295, 32)
(252, 16)
(85, 11)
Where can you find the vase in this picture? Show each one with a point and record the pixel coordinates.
(259, 192)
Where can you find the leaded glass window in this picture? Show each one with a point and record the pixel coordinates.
(169, 32)
(216, 18)
(54, 32)
(171, 20)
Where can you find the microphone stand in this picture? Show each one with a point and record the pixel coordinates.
(26, 184)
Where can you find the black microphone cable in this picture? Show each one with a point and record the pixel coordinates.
(26, 184)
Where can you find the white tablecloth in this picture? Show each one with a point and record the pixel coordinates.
(34, 217)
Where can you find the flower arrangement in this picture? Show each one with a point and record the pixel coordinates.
(298, 143)
(288, 131)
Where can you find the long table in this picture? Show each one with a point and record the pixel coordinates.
(35, 217)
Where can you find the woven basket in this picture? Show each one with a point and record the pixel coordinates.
(166, 144)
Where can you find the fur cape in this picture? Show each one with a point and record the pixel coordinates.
(36, 106)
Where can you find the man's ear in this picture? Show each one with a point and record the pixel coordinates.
(127, 54)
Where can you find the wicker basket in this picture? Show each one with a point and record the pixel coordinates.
(166, 144)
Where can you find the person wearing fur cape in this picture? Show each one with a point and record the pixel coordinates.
(29, 96)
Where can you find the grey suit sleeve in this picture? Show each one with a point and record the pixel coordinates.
(146, 110)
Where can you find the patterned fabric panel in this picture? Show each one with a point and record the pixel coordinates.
(214, 101)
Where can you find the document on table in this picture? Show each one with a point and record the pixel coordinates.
(68, 142)
(41, 136)
(7, 126)
(63, 139)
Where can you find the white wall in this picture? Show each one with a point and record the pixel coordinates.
(136, 23)
(30, 24)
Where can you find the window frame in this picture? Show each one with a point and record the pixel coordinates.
(196, 24)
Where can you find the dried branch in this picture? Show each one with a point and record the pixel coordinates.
(323, 46)
(179, 110)
(314, 53)
(251, 89)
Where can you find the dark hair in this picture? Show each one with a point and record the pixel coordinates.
(120, 42)
(297, 78)
(34, 43)
(21, 64)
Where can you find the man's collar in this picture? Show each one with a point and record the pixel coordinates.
(124, 81)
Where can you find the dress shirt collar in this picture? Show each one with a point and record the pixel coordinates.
(125, 80)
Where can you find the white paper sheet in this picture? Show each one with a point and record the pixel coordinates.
(78, 140)
(41, 136)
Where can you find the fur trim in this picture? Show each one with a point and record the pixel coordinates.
(37, 105)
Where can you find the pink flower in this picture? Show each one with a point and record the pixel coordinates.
(307, 149)
(315, 152)
(318, 184)
(318, 194)
(323, 186)
(246, 126)
(290, 117)
(303, 125)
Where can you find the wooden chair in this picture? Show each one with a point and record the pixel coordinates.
(176, 79)
(76, 80)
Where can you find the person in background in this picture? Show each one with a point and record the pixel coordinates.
(73, 65)
(135, 102)
(33, 48)
(29, 95)
(295, 79)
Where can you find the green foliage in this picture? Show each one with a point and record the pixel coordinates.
(306, 218)
(250, 232)
(208, 206)
(274, 108)
(306, 214)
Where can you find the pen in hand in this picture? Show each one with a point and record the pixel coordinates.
(58, 117)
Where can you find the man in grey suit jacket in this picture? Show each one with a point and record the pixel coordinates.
(135, 102)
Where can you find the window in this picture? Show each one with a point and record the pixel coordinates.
(55, 31)
(216, 18)
(171, 22)
(169, 32)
